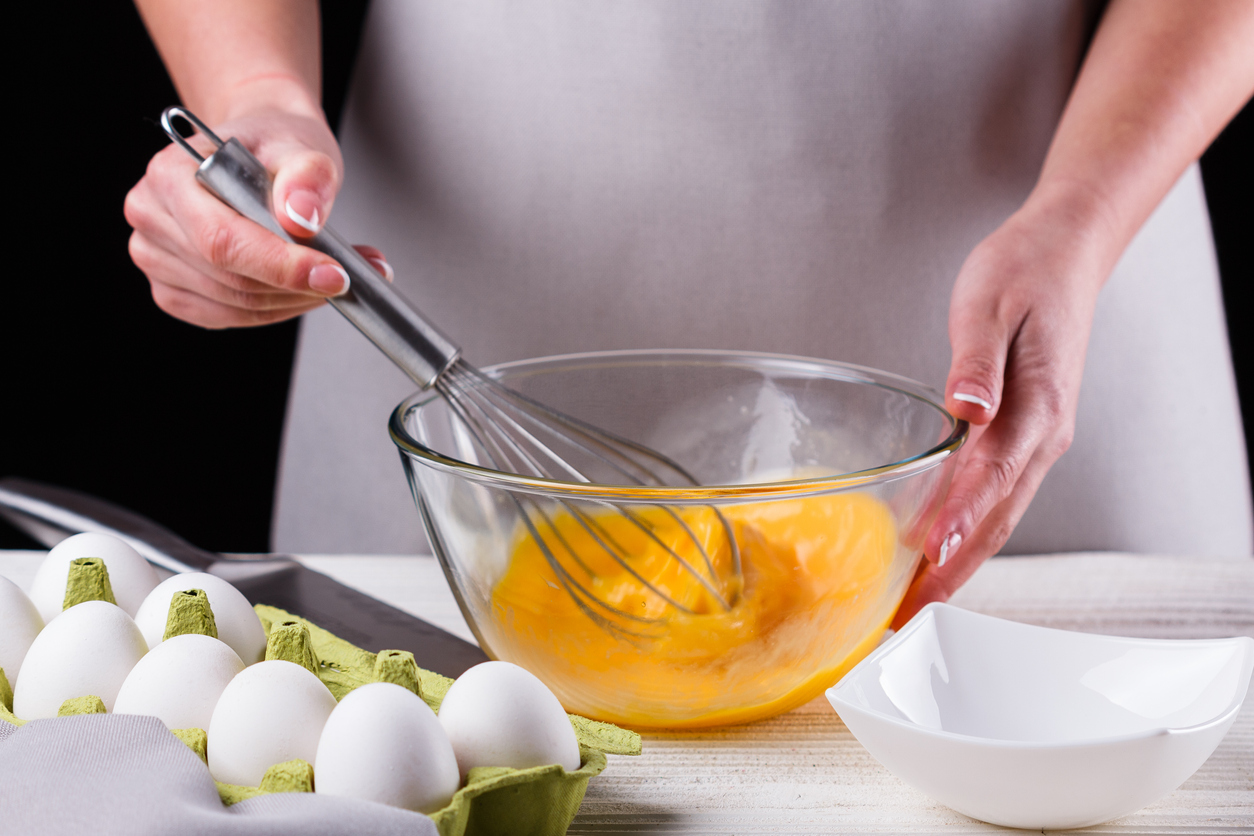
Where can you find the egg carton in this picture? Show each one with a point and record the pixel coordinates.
(541, 800)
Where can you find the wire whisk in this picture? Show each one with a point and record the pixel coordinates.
(514, 433)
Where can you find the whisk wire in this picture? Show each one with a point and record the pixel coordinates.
(652, 535)
(502, 442)
(517, 409)
(561, 538)
(577, 591)
(597, 443)
(580, 595)
(600, 535)
(507, 426)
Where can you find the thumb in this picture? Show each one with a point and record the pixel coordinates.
(981, 342)
(305, 185)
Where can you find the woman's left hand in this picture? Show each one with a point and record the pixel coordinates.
(1160, 80)
(1019, 322)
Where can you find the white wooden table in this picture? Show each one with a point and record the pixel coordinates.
(804, 772)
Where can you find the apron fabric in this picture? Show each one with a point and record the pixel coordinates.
(801, 178)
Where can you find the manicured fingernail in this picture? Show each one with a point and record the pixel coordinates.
(975, 399)
(948, 547)
(302, 208)
(329, 278)
(383, 267)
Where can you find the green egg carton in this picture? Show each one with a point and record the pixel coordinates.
(495, 800)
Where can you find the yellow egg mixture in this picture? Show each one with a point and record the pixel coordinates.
(815, 600)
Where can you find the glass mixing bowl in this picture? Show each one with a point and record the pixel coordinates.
(827, 476)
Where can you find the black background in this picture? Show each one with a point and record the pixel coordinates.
(103, 392)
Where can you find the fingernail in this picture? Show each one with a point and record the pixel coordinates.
(949, 545)
(383, 267)
(975, 399)
(329, 278)
(302, 208)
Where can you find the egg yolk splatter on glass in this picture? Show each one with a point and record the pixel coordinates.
(812, 598)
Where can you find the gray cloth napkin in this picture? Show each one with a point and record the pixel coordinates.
(105, 774)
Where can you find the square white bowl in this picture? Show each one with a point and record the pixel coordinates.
(1030, 727)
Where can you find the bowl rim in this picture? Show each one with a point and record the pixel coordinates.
(836, 697)
(926, 460)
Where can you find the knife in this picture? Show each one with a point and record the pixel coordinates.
(50, 514)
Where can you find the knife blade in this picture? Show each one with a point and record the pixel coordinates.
(50, 514)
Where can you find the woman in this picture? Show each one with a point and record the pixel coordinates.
(801, 178)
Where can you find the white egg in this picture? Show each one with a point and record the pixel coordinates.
(498, 714)
(87, 650)
(382, 743)
(179, 681)
(270, 712)
(20, 622)
(237, 621)
(131, 577)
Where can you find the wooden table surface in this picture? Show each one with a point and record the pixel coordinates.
(804, 772)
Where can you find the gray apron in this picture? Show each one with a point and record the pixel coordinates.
(803, 178)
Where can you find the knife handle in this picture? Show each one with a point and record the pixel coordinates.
(50, 514)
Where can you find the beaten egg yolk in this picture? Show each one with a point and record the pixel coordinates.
(811, 600)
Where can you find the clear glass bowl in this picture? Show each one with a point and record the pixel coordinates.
(828, 474)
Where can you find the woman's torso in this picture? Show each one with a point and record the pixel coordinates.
(798, 178)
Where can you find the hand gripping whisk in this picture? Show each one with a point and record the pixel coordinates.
(514, 433)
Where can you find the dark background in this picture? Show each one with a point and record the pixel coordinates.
(103, 392)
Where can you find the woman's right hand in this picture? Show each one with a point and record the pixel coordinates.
(212, 267)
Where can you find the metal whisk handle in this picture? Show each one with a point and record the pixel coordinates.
(407, 337)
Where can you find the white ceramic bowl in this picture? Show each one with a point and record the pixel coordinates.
(1036, 728)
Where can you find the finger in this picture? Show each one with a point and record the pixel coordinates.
(227, 241)
(1036, 416)
(147, 210)
(305, 185)
(164, 267)
(161, 232)
(169, 207)
(981, 331)
(916, 535)
(207, 313)
(938, 583)
(376, 257)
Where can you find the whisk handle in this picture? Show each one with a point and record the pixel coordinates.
(407, 337)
